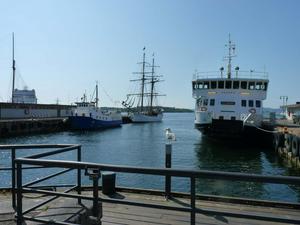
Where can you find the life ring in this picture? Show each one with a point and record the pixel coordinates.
(278, 141)
(252, 110)
(288, 142)
(295, 145)
(203, 109)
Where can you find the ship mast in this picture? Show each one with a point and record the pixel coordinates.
(152, 84)
(231, 54)
(13, 67)
(143, 81)
(97, 99)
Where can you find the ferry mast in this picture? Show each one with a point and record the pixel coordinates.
(231, 54)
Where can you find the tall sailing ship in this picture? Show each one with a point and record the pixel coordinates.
(145, 111)
(231, 105)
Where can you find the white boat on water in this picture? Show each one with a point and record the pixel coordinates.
(145, 111)
(231, 105)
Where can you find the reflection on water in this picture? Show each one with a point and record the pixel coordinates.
(240, 157)
(144, 145)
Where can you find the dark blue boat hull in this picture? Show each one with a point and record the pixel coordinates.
(88, 123)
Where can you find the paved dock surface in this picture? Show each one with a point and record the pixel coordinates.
(64, 209)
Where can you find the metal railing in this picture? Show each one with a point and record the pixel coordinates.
(13, 150)
(244, 74)
(192, 175)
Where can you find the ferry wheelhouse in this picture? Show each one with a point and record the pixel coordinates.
(231, 105)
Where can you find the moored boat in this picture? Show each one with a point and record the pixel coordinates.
(232, 105)
(88, 116)
(143, 113)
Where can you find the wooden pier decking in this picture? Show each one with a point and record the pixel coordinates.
(114, 214)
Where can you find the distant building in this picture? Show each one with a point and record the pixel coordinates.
(24, 96)
(292, 111)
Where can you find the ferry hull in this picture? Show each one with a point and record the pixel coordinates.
(88, 123)
(142, 118)
(221, 128)
(227, 129)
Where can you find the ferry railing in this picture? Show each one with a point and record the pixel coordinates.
(192, 175)
(60, 148)
(251, 74)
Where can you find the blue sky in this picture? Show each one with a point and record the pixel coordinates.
(63, 47)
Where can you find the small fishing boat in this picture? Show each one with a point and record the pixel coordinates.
(88, 116)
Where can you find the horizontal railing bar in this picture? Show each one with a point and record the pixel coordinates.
(247, 216)
(163, 172)
(182, 209)
(44, 154)
(24, 168)
(47, 177)
(29, 146)
(46, 201)
(31, 218)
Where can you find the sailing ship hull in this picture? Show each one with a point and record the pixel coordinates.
(144, 118)
(88, 123)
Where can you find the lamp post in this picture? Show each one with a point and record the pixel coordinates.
(284, 99)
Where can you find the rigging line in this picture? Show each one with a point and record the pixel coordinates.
(107, 95)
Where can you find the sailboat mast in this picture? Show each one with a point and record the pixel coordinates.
(143, 82)
(152, 85)
(13, 67)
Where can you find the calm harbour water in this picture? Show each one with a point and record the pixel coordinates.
(144, 145)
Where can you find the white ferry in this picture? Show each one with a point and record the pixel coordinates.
(230, 105)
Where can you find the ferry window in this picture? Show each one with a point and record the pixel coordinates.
(213, 85)
(258, 103)
(228, 84)
(194, 86)
(220, 84)
(232, 118)
(206, 85)
(205, 102)
(221, 117)
(244, 103)
(251, 85)
(236, 84)
(200, 85)
(244, 84)
(250, 103)
(227, 103)
(212, 102)
(258, 86)
(266, 85)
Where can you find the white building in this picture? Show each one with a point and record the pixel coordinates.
(24, 96)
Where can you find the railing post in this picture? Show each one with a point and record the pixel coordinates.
(193, 201)
(94, 174)
(13, 178)
(19, 194)
(79, 174)
(168, 164)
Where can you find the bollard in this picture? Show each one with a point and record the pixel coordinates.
(168, 164)
(94, 174)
